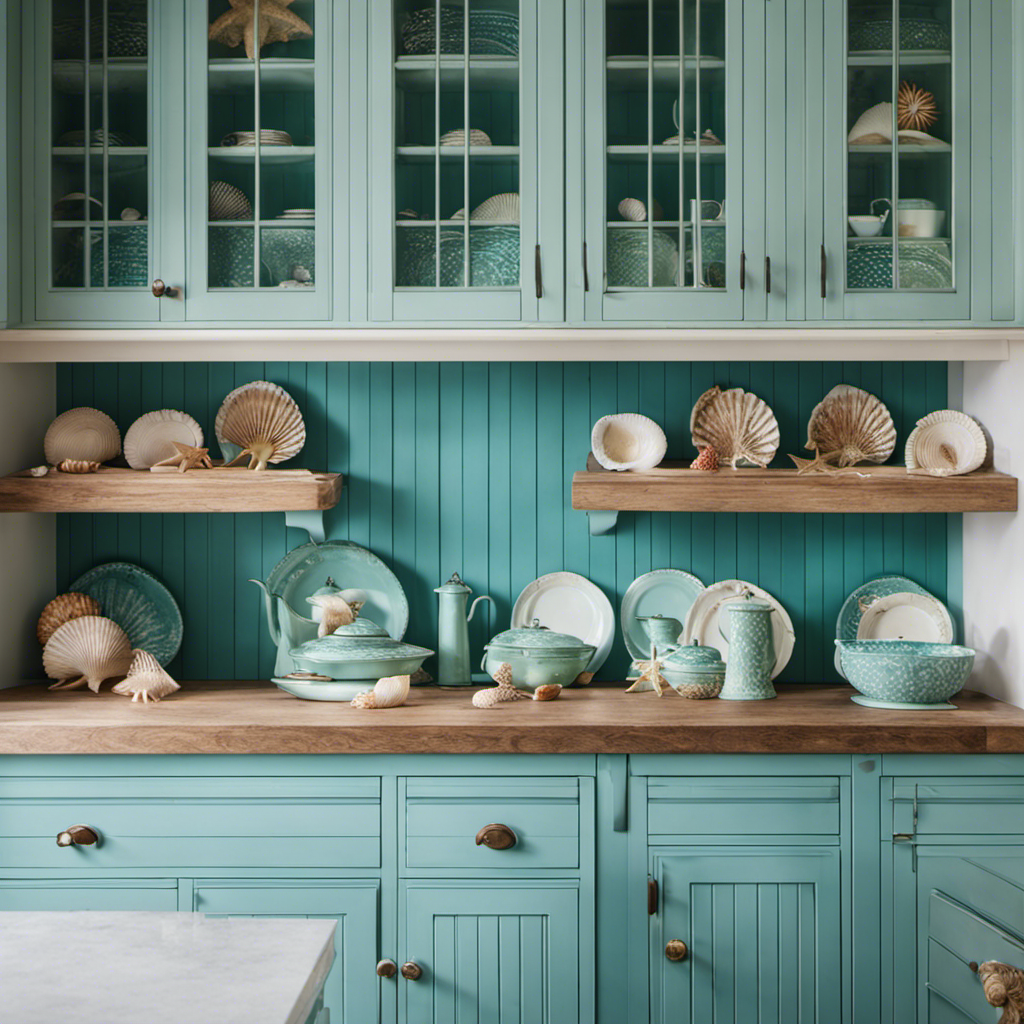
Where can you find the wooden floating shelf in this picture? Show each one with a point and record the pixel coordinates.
(115, 489)
(675, 488)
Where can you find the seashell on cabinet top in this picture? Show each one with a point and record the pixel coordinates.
(627, 440)
(63, 608)
(83, 434)
(946, 443)
(147, 681)
(262, 420)
(150, 439)
(85, 651)
(850, 425)
(737, 424)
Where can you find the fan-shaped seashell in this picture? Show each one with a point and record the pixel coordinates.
(150, 438)
(264, 421)
(83, 433)
(627, 440)
(85, 651)
(850, 425)
(77, 466)
(876, 123)
(146, 680)
(946, 443)
(63, 608)
(636, 210)
(737, 424)
(503, 207)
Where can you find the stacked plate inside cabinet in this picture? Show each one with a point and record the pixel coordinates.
(77, 138)
(924, 263)
(457, 137)
(490, 31)
(565, 602)
(670, 593)
(268, 137)
(893, 608)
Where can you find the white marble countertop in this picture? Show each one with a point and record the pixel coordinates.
(160, 968)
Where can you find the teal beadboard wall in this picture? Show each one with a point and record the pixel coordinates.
(467, 467)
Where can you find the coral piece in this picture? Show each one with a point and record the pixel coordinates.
(916, 109)
(63, 608)
(77, 466)
(737, 424)
(277, 25)
(186, 457)
(1003, 986)
(336, 612)
(504, 692)
(850, 425)
(85, 651)
(146, 682)
(707, 459)
(264, 421)
(549, 691)
(389, 692)
(83, 433)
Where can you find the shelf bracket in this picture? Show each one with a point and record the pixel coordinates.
(602, 522)
(310, 520)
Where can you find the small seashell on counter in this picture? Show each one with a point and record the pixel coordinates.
(549, 691)
(389, 692)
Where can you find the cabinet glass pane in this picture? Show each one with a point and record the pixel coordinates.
(900, 147)
(99, 162)
(457, 81)
(261, 147)
(666, 146)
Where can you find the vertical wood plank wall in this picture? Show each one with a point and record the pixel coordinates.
(467, 467)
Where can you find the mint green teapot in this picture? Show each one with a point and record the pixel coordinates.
(287, 627)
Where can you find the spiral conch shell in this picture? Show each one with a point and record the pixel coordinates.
(264, 421)
(737, 424)
(946, 443)
(85, 651)
(63, 608)
(388, 692)
(146, 681)
(849, 426)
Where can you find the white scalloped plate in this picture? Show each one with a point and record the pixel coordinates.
(907, 616)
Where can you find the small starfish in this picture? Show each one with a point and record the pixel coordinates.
(650, 677)
(186, 457)
(277, 25)
(816, 465)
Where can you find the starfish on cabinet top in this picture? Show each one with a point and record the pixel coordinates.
(186, 457)
(277, 25)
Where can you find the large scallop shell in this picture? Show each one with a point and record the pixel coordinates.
(263, 421)
(63, 608)
(627, 440)
(149, 439)
(84, 434)
(503, 207)
(85, 651)
(850, 425)
(946, 443)
(874, 126)
(146, 680)
(737, 424)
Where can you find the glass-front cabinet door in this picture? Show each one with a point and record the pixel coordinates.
(466, 186)
(898, 187)
(260, 134)
(663, 160)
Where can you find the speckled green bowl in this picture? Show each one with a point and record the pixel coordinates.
(905, 672)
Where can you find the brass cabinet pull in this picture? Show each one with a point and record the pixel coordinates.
(411, 971)
(586, 275)
(743, 270)
(824, 269)
(165, 290)
(387, 969)
(767, 275)
(652, 896)
(497, 837)
(78, 835)
(675, 949)
(540, 279)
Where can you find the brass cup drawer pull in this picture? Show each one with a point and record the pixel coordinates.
(675, 949)
(78, 835)
(411, 971)
(387, 969)
(497, 837)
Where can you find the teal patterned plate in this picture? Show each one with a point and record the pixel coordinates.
(139, 603)
(320, 690)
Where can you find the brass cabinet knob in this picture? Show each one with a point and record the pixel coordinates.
(387, 969)
(497, 837)
(78, 835)
(675, 949)
(411, 971)
(161, 289)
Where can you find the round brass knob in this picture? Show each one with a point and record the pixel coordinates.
(675, 949)
(497, 837)
(387, 969)
(161, 289)
(78, 835)
(411, 971)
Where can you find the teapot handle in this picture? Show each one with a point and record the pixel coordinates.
(472, 607)
(888, 204)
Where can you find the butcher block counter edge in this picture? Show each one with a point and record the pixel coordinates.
(257, 718)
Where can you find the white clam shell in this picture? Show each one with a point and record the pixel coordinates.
(391, 691)
(627, 440)
(149, 439)
(850, 425)
(84, 434)
(737, 424)
(503, 207)
(875, 121)
(263, 421)
(85, 651)
(147, 681)
(946, 443)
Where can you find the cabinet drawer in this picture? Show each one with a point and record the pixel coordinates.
(986, 807)
(743, 806)
(192, 822)
(443, 817)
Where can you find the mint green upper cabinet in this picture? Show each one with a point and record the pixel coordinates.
(664, 160)
(466, 232)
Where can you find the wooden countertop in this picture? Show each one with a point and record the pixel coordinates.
(257, 718)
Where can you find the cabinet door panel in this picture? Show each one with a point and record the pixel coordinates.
(108, 894)
(762, 929)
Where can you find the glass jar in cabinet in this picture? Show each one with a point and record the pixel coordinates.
(663, 160)
(467, 189)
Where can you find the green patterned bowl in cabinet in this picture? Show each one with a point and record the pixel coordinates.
(924, 264)
(627, 259)
(915, 34)
(493, 257)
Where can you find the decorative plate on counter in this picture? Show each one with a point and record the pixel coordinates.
(904, 616)
(566, 602)
(668, 592)
(320, 690)
(139, 603)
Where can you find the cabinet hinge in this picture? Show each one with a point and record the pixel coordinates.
(652, 896)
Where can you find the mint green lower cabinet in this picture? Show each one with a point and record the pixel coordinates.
(491, 951)
(89, 894)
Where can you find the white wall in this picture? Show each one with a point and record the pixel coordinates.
(27, 540)
(993, 548)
